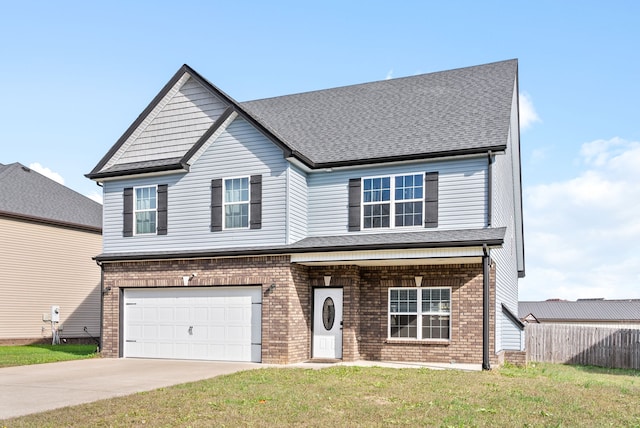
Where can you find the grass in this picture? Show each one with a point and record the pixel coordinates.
(38, 354)
(540, 395)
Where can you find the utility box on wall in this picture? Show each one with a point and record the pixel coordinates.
(55, 313)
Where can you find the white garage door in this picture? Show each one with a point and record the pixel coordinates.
(193, 323)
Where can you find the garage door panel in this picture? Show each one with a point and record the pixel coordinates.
(197, 323)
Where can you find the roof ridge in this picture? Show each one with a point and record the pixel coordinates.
(394, 79)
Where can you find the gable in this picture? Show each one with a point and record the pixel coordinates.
(456, 112)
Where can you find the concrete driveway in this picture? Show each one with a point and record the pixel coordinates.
(41, 387)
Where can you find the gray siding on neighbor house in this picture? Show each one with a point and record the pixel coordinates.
(177, 126)
(503, 216)
(461, 203)
(298, 196)
(239, 151)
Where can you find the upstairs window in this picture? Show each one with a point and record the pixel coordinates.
(236, 203)
(145, 209)
(393, 201)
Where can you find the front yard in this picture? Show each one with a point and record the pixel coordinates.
(39, 354)
(540, 395)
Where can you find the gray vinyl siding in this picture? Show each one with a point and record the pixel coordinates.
(239, 151)
(298, 197)
(462, 194)
(506, 257)
(512, 335)
(176, 128)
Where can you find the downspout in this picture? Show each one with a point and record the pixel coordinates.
(485, 307)
(99, 263)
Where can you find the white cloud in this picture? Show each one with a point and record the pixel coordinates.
(528, 115)
(46, 172)
(582, 235)
(389, 75)
(96, 196)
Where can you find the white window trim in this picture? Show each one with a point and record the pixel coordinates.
(419, 314)
(224, 203)
(392, 202)
(136, 211)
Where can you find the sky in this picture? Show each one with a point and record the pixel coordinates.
(76, 74)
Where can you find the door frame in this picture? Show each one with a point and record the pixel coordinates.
(313, 317)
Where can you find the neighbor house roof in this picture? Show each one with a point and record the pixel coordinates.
(455, 112)
(582, 310)
(492, 237)
(28, 195)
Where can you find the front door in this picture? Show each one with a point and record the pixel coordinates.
(327, 323)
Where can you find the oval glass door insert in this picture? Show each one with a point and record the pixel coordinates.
(328, 313)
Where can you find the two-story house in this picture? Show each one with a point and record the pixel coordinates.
(380, 221)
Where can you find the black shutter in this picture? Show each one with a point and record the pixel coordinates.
(431, 199)
(127, 217)
(162, 209)
(354, 204)
(256, 202)
(216, 205)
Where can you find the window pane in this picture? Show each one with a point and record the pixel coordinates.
(376, 215)
(436, 300)
(435, 327)
(404, 326)
(236, 216)
(408, 187)
(409, 214)
(236, 190)
(145, 222)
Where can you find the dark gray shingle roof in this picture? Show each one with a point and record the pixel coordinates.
(378, 241)
(26, 193)
(429, 114)
(582, 310)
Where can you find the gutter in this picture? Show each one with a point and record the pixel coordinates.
(240, 252)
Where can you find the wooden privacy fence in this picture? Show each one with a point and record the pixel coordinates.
(585, 345)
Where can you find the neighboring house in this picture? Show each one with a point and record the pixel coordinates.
(591, 312)
(380, 221)
(48, 236)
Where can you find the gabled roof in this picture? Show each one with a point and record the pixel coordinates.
(455, 112)
(450, 112)
(28, 195)
(582, 310)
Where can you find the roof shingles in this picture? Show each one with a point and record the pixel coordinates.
(28, 194)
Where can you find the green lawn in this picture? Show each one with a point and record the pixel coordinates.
(541, 395)
(38, 354)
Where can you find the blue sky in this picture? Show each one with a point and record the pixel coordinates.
(75, 75)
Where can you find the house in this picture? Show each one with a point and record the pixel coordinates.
(380, 221)
(48, 236)
(588, 312)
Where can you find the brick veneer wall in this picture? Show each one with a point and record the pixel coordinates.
(285, 310)
(366, 312)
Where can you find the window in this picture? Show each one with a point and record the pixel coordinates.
(145, 209)
(393, 201)
(236, 203)
(420, 313)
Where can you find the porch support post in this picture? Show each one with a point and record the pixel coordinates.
(486, 269)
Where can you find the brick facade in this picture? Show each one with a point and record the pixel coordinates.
(287, 309)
